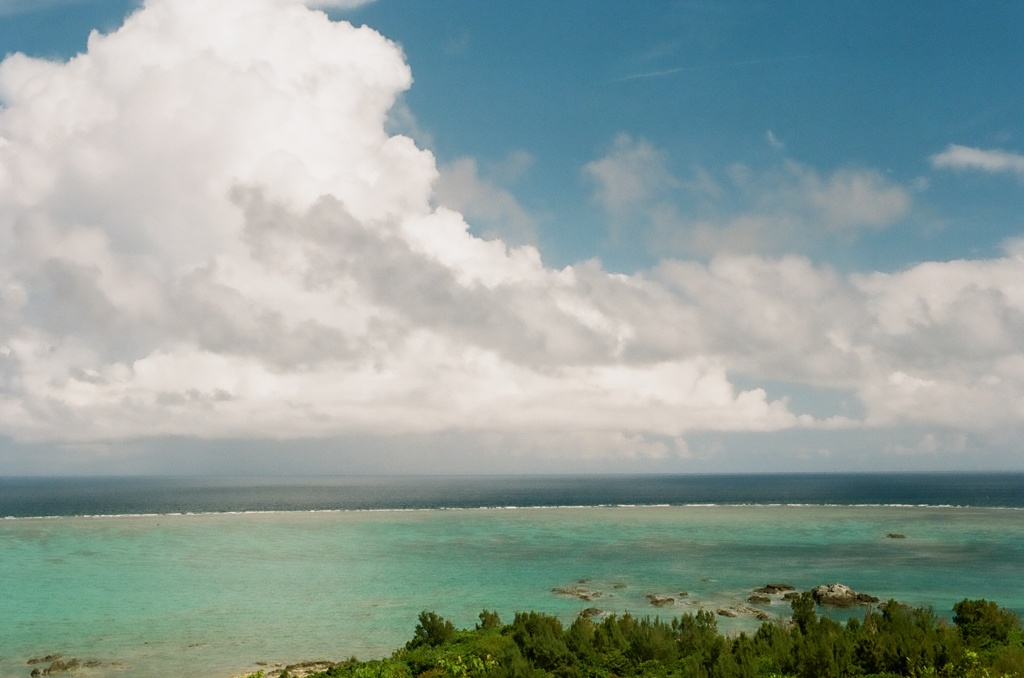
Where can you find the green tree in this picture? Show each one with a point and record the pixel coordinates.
(489, 620)
(804, 615)
(983, 624)
(652, 641)
(699, 642)
(895, 640)
(432, 630)
(579, 638)
(541, 640)
(774, 649)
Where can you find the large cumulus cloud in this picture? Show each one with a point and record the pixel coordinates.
(207, 231)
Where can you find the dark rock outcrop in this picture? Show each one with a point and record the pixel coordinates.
(772, 589)
(57, 666)
(577, 592)
(759, 600)
(754, 612)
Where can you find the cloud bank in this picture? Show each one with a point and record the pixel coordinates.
(207, 231)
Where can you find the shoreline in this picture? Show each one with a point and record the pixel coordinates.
(738, 616)
(165, 595)
(893, 640)
(749, 618)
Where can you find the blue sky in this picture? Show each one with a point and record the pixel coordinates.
(872, 85)
(511, 237)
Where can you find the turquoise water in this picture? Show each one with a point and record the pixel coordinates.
(211, 594)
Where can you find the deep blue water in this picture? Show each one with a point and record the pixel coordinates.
(22, 497)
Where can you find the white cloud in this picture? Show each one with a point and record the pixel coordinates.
(484, 203)
(945, 341)
(930, 444)
(785, 208)
(630, 175)
(958, 157)
(851, 199)
(788, 210)
(206, 230)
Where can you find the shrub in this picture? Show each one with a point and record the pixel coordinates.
(489, 620)
(983, 624)
(432, 630)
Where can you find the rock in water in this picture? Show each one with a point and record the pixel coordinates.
(576, 591)
(840, 595)
(775, 588)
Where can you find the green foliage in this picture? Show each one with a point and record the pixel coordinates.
(804, 615)
(817, 652)
(470, 666)
(773, 645)
(894, 641)
(541, 640)
(579, 638)
(432, 630)
(983, 624)
(489, 620)
(652, 641)
(1009, 662)
(377, 668)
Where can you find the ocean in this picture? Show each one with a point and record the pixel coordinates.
(213, 577)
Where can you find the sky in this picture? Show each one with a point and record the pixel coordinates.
(265, 237)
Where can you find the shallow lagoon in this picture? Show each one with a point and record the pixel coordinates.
(212, 594)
